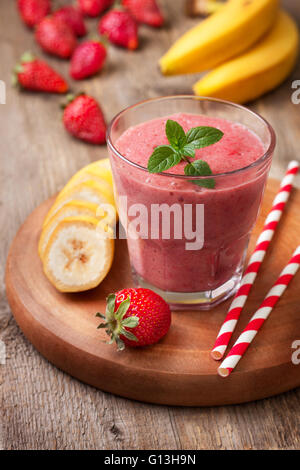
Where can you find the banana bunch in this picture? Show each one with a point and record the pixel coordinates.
(76, 244)
(250, 45)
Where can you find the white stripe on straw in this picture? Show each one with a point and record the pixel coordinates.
(255, 262)
(258, 319)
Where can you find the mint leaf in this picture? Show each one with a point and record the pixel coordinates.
(188, 150)
(209, 183)
(200, 168)
(163, 158)
(197, 168)
(203, 136)
(175, 134)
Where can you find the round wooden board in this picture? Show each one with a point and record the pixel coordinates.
(178, 370)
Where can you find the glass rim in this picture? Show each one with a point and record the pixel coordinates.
(257, 162)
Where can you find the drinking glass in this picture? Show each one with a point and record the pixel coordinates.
(201, 277)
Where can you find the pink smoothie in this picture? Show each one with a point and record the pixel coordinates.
(238, 148)
(230, 210)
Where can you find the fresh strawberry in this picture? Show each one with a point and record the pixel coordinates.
(145, 11)
(33, 11)
(94, 7)
(34, 74)
(73, 17)
(120, 28)
(55, 37)
(87, 59)
(136, 317)
(83, 118)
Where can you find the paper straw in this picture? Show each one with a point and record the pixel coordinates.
(255, 262)
(258, 319)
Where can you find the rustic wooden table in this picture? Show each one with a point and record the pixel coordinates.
(41, 407)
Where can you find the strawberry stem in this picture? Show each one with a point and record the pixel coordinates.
(115, 324)
(69, 98)
(27, 57)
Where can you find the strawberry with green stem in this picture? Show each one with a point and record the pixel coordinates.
(135, 317)
(36, 75)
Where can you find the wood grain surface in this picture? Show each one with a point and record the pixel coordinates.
(178, 370)
(42, 407)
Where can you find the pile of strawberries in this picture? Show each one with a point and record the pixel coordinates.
(57, 33)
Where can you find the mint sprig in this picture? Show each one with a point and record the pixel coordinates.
(182, 147)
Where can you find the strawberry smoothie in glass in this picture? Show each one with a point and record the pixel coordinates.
(187, 235)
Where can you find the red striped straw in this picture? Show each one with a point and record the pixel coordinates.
(255, 262)
(258, 319)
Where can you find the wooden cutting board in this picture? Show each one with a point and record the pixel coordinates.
(178, 370)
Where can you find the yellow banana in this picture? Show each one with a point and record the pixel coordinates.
(76, 245)
(226, 34)
(257, 71)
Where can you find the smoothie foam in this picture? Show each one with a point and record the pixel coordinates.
(238, 148)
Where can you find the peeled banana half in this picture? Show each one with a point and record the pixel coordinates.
(257, 71)
(225, 34)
